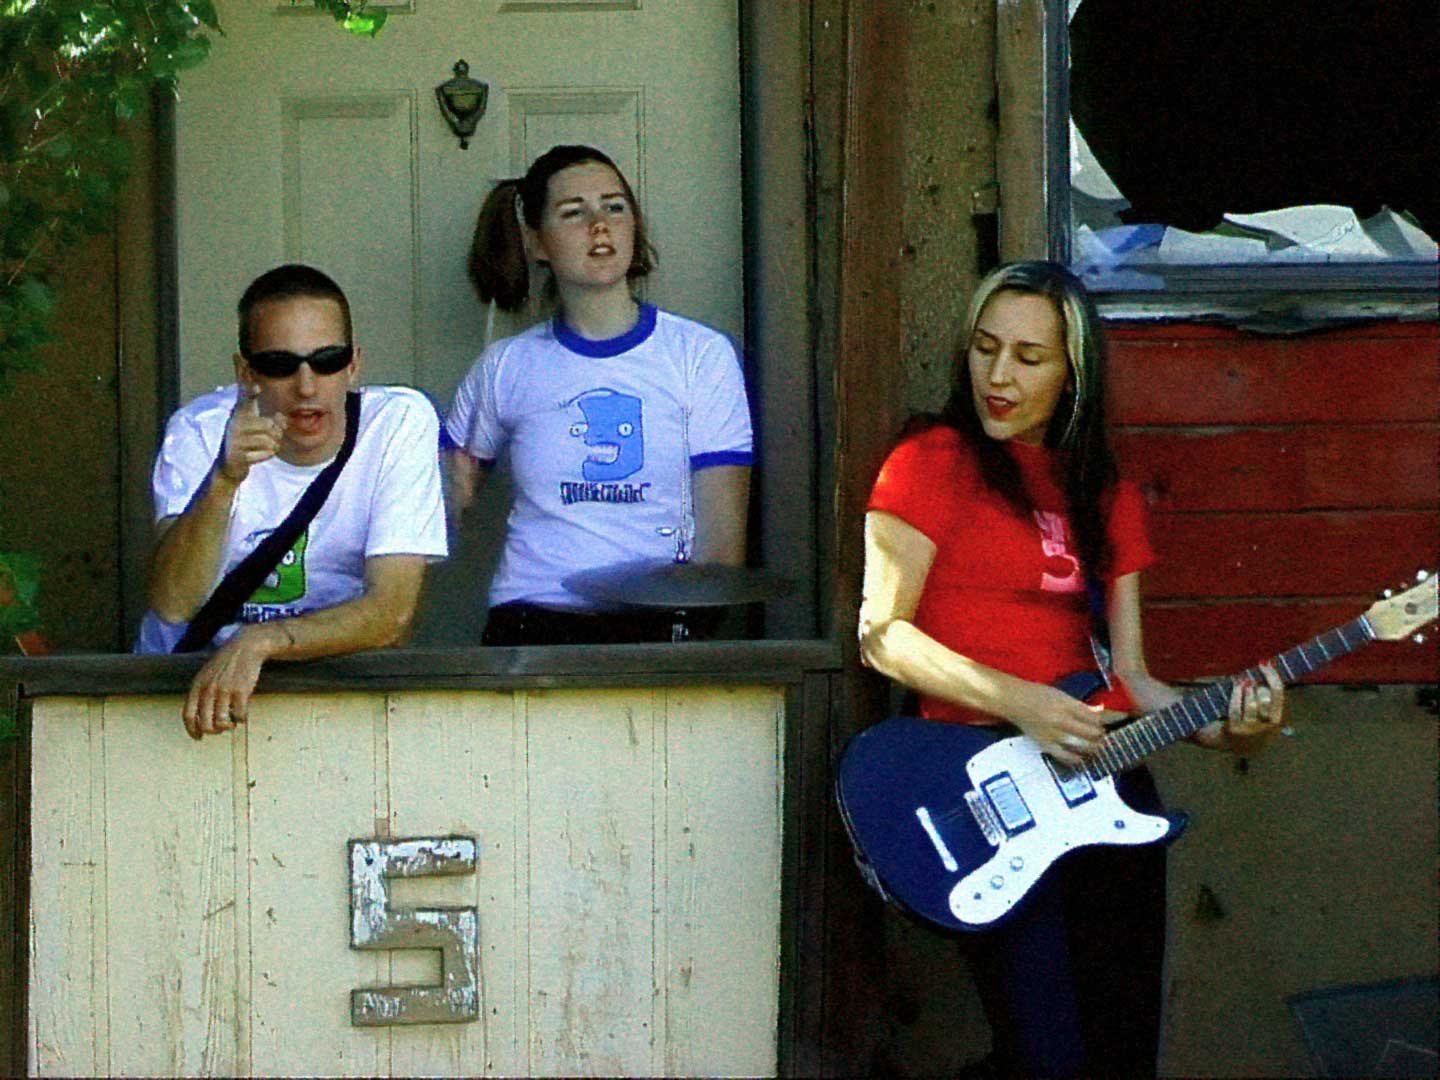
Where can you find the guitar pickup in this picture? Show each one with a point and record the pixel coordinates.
(1008, 804)
(1075, 787)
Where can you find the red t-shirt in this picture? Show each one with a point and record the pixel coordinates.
(1005, 590)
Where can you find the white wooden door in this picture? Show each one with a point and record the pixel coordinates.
(298, 141)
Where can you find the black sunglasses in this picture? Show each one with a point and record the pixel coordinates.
(281, 364)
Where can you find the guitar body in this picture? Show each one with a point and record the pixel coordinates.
(957, 823)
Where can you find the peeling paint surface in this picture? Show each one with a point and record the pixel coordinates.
(375, 924)
(629, 887)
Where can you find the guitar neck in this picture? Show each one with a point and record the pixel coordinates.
(1128, 746)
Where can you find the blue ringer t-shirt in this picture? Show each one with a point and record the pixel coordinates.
(603, 439)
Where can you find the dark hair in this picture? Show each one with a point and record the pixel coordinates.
(498, 266)
(1078, 427)
(285, 283)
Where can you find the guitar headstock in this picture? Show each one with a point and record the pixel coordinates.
(1400, 615)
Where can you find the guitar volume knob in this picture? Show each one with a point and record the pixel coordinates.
(997, 882)
(1017, 863)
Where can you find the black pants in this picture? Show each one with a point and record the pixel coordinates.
(519, 623)
(1072, 984)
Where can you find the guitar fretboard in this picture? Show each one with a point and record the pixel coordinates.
(1128, 746)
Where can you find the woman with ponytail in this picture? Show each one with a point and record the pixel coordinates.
(1001, 552)
(627, 427)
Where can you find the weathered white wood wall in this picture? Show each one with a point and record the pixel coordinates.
(190, 903)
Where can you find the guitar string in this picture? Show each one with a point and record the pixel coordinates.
(1211, 701)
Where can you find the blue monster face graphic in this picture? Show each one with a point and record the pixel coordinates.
(613, 431)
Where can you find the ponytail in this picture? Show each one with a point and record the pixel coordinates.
(497, 255)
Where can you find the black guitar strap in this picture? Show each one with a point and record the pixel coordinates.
(240, 583)
(1099, 625)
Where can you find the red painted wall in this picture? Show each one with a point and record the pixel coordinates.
(1289, 480)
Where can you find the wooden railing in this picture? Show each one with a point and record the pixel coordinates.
(189, 905)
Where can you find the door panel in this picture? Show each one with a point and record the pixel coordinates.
(298, 141)
(365, 147)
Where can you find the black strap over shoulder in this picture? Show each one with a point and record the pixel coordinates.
(241, 582)
(1099, 625)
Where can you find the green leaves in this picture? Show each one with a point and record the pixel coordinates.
(356, 16)
(72, 72)
(69, 71)
(19, 592)
(367, 24)
(25, 309)
(189, 53)
(58, 147)
(35, 295)
(131, 98)
(19, 612)
(204, 10)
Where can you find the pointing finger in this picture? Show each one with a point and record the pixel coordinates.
(249, 402)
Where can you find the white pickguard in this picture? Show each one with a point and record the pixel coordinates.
(991, 890)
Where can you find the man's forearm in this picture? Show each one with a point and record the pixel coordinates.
(219, 696)
(378, 619)
(189, 552)
(365, 623)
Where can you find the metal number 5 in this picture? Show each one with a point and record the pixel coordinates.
(455, 931)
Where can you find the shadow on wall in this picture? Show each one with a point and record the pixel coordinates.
(452, 610)
(1311, 866)
(1385, 1029)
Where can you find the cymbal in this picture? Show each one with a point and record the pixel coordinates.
(647, 583)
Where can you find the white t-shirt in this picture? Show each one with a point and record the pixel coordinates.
(386, 501)
(603, 437)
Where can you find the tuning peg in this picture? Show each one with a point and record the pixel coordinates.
(1421, 575)
(1419, 639)
(1387, 593)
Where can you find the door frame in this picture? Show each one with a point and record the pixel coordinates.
(822, 169)
(783, 371)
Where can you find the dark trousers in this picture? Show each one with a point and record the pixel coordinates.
(519, 623)
(1072, 983)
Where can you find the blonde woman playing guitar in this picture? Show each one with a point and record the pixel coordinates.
(986, 534)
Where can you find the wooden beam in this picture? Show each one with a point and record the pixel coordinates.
(869, 408)
(1021, 159)
(1190, 640)
(1264, 554)
(14, 892)
(870, 376)
(1212, 375)
(779, 287)
(138, 236)
(803, 960)
(1300, 467)
(768, 662)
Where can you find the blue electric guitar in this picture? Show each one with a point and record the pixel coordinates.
(956, 823)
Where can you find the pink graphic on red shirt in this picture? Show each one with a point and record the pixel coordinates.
(1061, 572)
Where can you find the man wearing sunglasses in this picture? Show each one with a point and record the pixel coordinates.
(235, 463)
